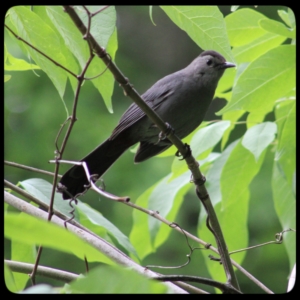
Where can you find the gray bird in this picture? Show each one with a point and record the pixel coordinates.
(180, 99)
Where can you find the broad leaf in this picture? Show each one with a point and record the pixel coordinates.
(42, 189)
(277, 28)
(258, 137)
(258, 47)
(286, 150)
(27, 229)
(243, 26)
(121, 281)
(35, 31)
(285, 206)
(264, 81)
(204, 24)
(15, 64)
(97, 219)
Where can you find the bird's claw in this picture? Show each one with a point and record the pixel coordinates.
(187, 154)
(163, 135)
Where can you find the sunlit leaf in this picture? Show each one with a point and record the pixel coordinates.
(27, 229)
(265, 80)
(258, 137)
(124, 282)
(277, 28)
(204, 24)
(243, 27)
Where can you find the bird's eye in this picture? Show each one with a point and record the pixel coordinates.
(209, 62)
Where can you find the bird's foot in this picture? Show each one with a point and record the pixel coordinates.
(163, 135)
(187, 154)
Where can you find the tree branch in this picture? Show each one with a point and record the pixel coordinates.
(52, 273)
(190, 160)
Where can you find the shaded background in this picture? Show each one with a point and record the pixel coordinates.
(33, 113)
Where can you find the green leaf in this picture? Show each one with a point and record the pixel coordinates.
(208, 137)
(9, 280)
(70, 61)
(202, 142)
(243, 27)
(103, 29)
(282, 111)
(7, 78)
(164, 231)
(213, 176)
(124, 281)
(285, 206)
(15, 64)
(71, 36)
(258, 137)
(234, 224)
(288, 17)
(232, 211)
(265, 80)
(179, 167)
(234, 7)
(292, 17)
(237, 168)
(139, 235)
(255, 117)
(27, 229)
(277, 28)
(103, 23)
(225, 84)
(52, 21)
(97, 219)
(24, 253)
(286, 150)
(258, 47)
(42, 189)
(285, 17)
(35, 31)
(172, 150)
(204, 24)
(166, 196)
(237, 174)
(231, 116)
(105, 83)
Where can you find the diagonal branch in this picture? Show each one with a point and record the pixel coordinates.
(198, 178)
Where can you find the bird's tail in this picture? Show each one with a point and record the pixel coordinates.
(98, 162)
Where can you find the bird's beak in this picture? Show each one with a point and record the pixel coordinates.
(228, 65)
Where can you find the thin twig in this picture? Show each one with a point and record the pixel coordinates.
(278, 240)
(24, 167)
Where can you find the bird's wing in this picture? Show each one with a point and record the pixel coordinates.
(157, 94)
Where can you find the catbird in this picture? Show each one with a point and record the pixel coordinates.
(181, 99)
